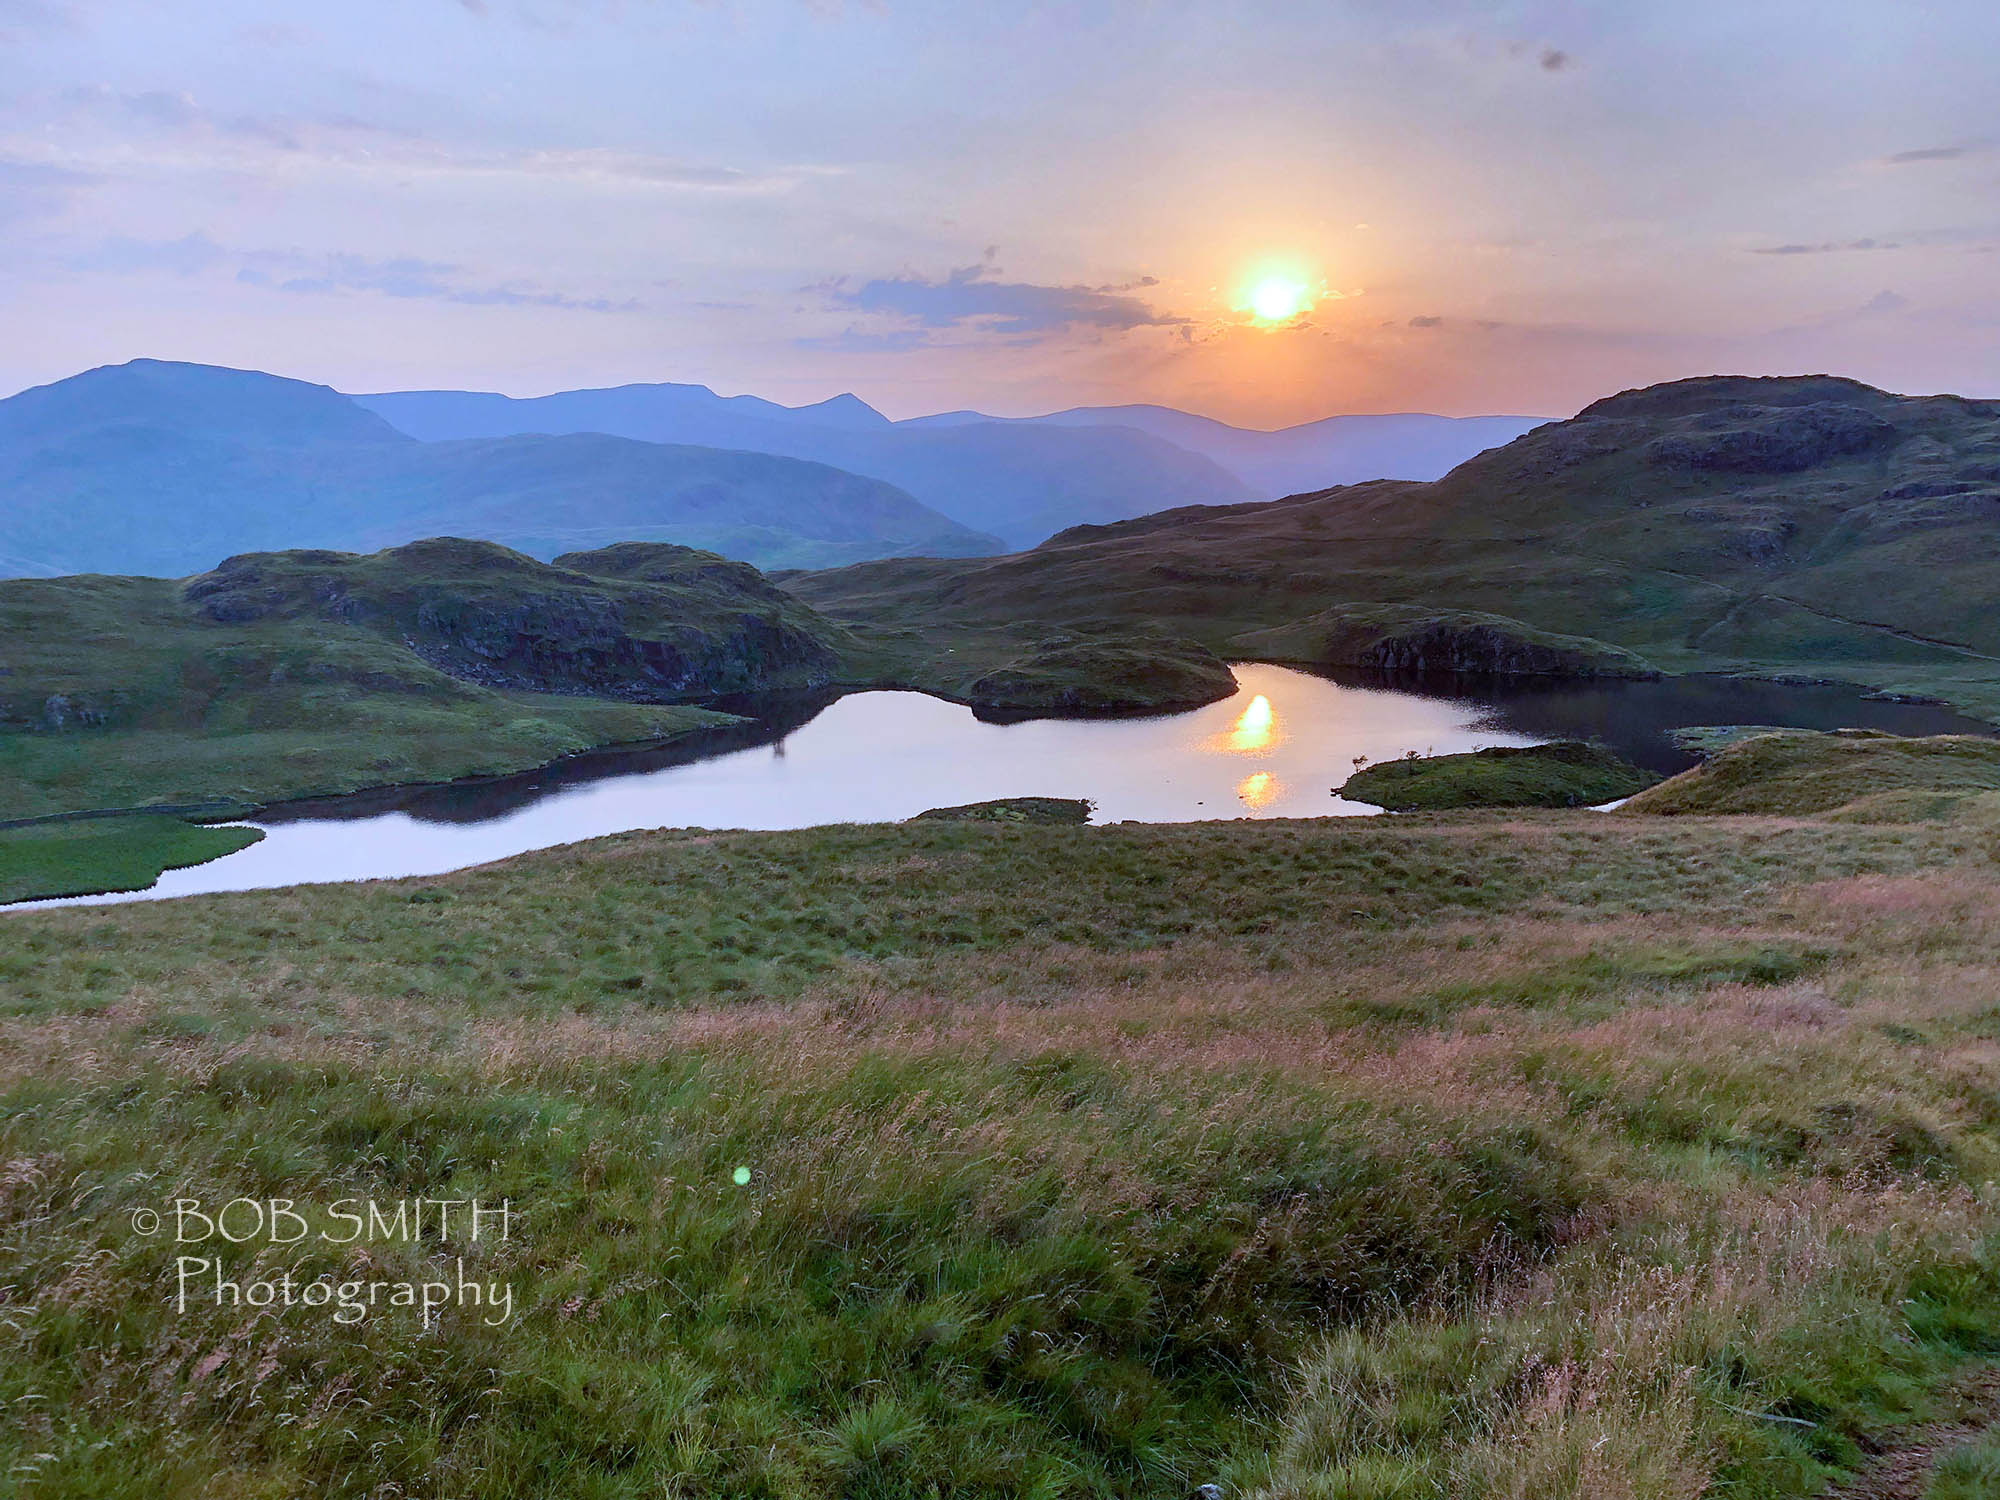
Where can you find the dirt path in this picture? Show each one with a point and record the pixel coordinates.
(1902, 1470)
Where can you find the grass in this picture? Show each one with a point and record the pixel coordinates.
(1970, 1471)
(1502, 1154)
(1802, 772)
(1564, 774)
(91, 856)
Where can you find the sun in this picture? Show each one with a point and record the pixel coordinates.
(1276, 300)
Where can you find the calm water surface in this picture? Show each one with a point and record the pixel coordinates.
(1274, 750)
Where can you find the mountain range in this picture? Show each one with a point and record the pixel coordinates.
(1021, 479)
(157, 467)
(161, 468)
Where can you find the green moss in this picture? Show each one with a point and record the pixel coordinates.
(90, 856)
(1565, 774)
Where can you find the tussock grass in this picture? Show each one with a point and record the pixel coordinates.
(1528, 1155)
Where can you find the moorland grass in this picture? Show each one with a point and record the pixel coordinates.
(1518, 1155)
(87, 857)
(1795, 771)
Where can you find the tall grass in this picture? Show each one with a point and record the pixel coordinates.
(1079, 1162)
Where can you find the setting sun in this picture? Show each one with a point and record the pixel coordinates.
(1275, 300)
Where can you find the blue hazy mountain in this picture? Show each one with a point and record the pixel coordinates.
(1296, 460)
(1021, 478)
(1021, 482)
(161, 468)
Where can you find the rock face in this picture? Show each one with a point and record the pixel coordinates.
(1402, 638)
(645, 622)
(1111, 676)
(1455, 646)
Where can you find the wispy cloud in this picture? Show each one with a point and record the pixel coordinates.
(31, 189)
(973, 297)
(1827, 247)
(121, 131)
(21, 19)
(305, 273)
(1936, 153)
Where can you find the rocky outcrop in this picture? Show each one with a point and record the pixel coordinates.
(1405, 638)
(662, 623)
(1769, 440)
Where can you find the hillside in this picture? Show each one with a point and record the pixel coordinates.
(1804, 526)
(1019, 482)
(1523, 1154)
(158, 468)
(302, 673)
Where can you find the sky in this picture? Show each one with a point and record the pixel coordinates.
(1267, 212)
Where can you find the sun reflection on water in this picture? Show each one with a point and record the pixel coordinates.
(1256, 728)
(1260, 789)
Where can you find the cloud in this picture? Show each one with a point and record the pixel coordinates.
(1934, 153)
(403, 276)
(1426, 322)
(122, 255)
(972, 297)
(304, 273)
(167, 128)
(21, 18)
(1885, 302)
(32, 189)
(858, 341)
(1827, 247)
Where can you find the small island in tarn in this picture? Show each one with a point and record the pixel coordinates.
(1567, 773)
(1047, 810)
(1123, 674)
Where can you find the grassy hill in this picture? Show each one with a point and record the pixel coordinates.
(1805, 526)
(1545, 1153)
(294, 674)
(1856, 773)
(160, 468)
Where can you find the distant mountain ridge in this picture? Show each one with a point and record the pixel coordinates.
(1019, 482)
(1021, 478)
(1309, 456)
(155, 467)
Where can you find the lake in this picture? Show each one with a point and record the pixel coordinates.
(1276, 749)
